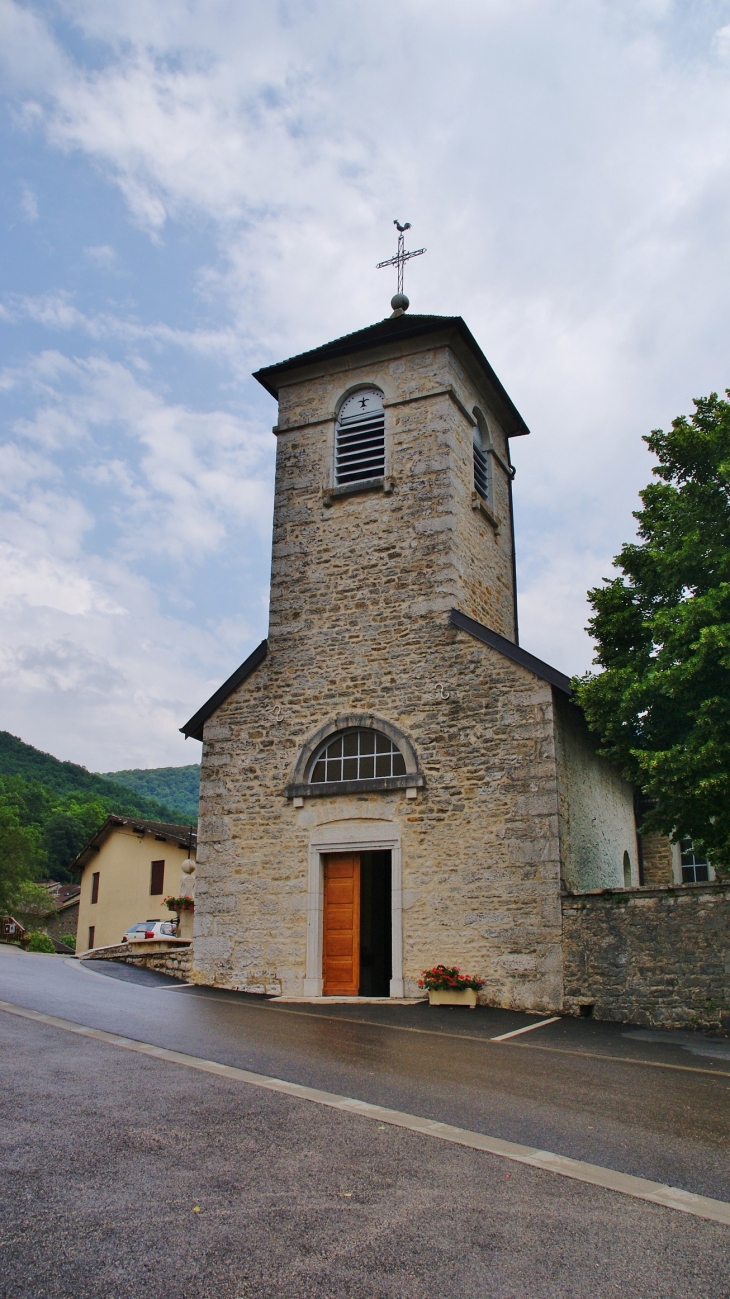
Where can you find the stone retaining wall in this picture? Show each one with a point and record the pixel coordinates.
(659, 957)
(177, 963)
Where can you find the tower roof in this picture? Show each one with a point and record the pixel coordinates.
(272, 377)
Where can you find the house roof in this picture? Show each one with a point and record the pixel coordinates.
(183, 835)
(511, 651)
(272, 377)
(61, 894)
(194, 728)
(70, 902)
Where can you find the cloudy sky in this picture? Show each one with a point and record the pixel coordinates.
(192, 190)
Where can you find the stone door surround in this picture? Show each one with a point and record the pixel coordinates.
(351, 836)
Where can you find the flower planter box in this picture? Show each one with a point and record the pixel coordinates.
(450, 997)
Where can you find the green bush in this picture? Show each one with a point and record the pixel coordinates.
(40, 942)
(69, 940)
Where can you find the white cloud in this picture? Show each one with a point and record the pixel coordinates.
(28, 204)
(565, 162)
(93, 665)
(44, 581)
(102, 254)
(182, 472)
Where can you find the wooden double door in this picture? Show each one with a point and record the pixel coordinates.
(341, 945)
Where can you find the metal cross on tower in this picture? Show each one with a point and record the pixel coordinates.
(400, 260)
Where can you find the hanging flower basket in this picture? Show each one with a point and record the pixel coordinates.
(447, 986)
(180, 904)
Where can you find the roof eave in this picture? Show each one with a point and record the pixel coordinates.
(271, 377)
(511, 651)
(194, 728)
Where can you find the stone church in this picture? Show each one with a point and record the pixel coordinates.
(389, 781)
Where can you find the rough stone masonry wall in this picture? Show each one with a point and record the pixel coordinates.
(657, 856)
(421, 543)
(659, 957)
(480, 845)
(177, 964)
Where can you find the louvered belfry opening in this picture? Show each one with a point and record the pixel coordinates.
(360, 439)
(481, 470)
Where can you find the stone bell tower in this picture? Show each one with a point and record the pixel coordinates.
(389, 728)
(393, 486)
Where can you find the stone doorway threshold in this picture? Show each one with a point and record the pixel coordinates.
(352, 1001)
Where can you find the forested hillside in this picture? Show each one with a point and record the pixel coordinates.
(176, 786)
(48, 808)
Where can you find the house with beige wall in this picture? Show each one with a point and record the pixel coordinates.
(127, 869)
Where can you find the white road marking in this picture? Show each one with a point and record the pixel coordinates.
(527, 1029)
(669, 1197)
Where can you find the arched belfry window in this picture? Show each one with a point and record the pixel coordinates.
(357, 755)
(360, 437)
(481, 460)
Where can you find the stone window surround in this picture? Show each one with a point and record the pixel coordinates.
(335, 489)
(343, 397)
(413, 779)
(387, 483)
(342, 837)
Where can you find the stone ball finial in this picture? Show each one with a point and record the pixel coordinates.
(399, 302)
(188, 866)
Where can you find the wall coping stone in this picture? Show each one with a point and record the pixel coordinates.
(680, 891)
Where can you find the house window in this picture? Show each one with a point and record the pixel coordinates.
(157, 877)
(360, 438)
(95, 887)
(91, 935)
(357, 755)
(695, 869)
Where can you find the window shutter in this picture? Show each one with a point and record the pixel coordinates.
(360, 438)
(157, 877)
(95, 887)
(481, 469)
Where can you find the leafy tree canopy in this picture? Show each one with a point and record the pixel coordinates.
(21, 856)
(662, 702)
(176, 786)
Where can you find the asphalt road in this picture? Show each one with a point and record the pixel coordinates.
(107, 1155)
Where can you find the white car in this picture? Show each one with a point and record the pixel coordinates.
(150, 929)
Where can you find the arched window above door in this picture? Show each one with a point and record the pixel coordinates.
(354, 753)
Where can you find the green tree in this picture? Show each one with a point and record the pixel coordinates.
(21, 858)
(661, 705)
(40, 942)
(68, 827)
